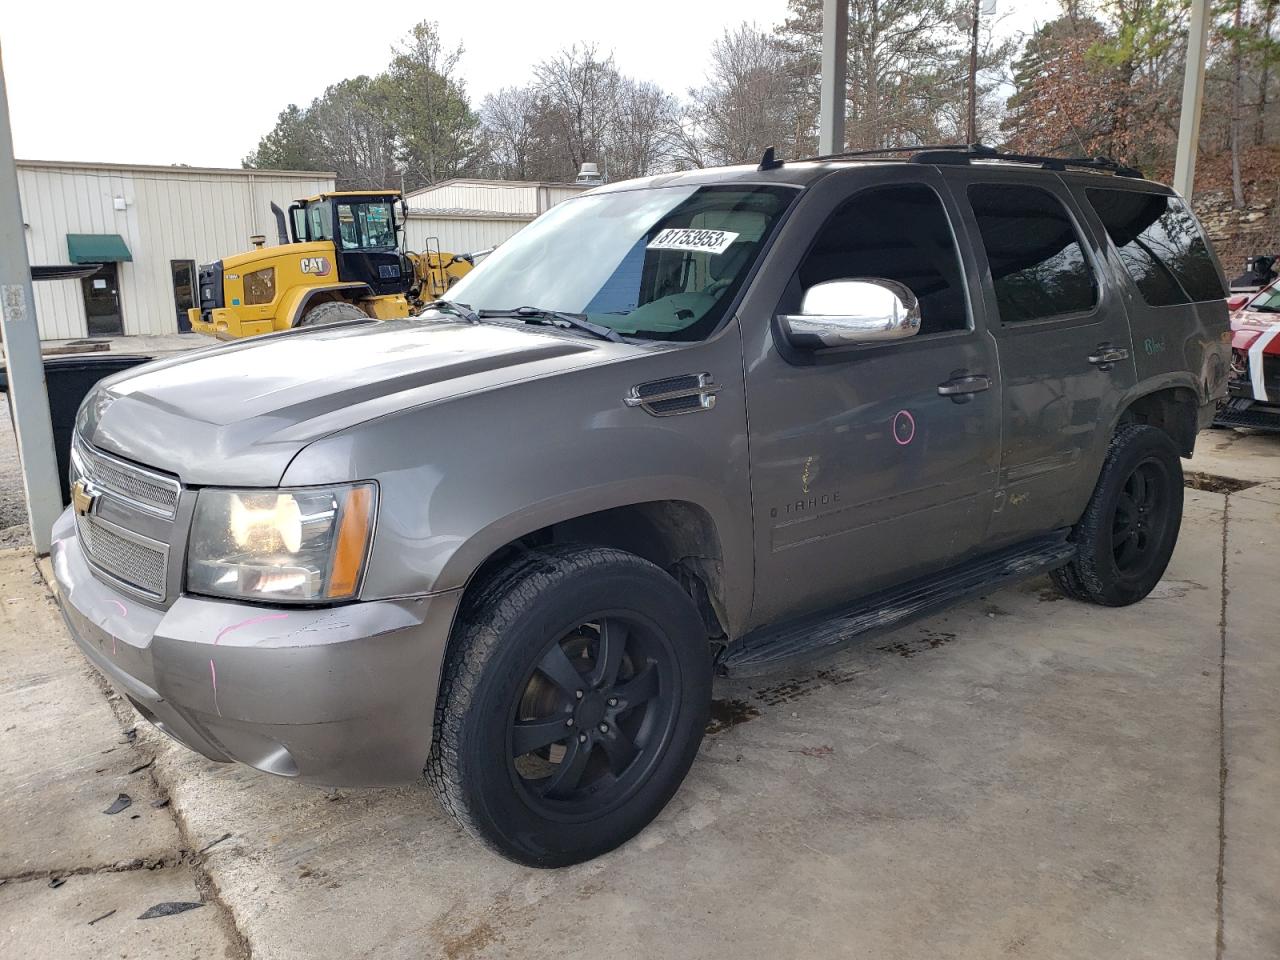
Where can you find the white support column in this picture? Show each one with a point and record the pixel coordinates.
(1184, 169)
(835, 64)
(23, 363)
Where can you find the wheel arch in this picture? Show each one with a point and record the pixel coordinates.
(1172, 406)
(680, 536)
(297, 305)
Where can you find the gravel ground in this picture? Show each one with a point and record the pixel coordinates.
(13, 506)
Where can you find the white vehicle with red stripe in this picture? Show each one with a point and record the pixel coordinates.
(1254, 399)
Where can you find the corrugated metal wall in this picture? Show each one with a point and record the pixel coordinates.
(559, 193)
(496, 198)
(178, 213)
(493, 196)
(461, 234)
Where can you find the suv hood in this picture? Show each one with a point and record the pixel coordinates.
(237, 414)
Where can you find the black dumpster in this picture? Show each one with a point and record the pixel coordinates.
(69, 379)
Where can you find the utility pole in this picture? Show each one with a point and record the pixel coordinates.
(973, 74)
(1184, 165)
(28, 399)
(835, 66)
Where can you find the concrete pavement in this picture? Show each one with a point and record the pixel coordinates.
(73, 879)
(1020, 776)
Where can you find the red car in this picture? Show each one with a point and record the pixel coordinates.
(1254, 399)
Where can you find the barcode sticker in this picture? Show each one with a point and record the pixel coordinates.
(687, 238)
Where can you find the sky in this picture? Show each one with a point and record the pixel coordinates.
(145, 82)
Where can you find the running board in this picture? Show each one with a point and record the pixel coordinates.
(767, 648)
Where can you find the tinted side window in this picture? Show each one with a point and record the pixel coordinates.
(895, 233)
(1038, 266)
(1160, 245)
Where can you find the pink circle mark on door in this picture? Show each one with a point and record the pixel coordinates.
(904, 427)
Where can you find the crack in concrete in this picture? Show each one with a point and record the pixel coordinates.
(1220, 939)
(120, 866)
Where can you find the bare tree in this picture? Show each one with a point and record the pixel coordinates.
(509, 120)
(578, 90)
(638, 142)
(748, 102)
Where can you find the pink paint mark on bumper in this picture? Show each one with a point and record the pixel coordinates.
(263, 618)
(213, 680)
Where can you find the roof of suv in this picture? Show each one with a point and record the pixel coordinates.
(805, 172)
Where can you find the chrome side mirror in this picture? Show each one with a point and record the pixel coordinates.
(840, 313)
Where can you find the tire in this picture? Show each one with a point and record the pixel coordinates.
(1128, 531)
(577, 614)
(335, 311)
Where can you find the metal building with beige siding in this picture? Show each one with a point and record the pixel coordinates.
(462, 231)
(467, 215)
(525, 197)
(149, 226)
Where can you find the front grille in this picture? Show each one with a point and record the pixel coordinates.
(152, 491)
(1245, 413)
(1271, 375)
(125, 557)
(209, 278)
(127, 525)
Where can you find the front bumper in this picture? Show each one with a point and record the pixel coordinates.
(1243, 411)
(338, 696)
(227, 324)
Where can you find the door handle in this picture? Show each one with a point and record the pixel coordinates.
(1105, 356)
(961, 389)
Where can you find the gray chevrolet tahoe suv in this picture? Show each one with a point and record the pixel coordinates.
(708, 422)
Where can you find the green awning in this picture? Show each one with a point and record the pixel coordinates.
(97, 248)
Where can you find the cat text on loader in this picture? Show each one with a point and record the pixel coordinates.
(339, 258)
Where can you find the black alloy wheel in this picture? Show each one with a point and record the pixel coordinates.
(593, 715)
(1140, 520)
(1126, 536)
(575, 691)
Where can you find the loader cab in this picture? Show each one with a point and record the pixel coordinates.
(363, 228)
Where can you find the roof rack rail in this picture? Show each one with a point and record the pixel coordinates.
(960, 154)
(980, 152)
(871, 152)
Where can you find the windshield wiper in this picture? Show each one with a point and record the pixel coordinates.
(539, 315)
(458, 309)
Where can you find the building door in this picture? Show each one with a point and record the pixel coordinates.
(184, 291)
(102, 302)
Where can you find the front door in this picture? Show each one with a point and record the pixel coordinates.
(102, 302)
(863, 474)
(1064, 344)
(184, 291)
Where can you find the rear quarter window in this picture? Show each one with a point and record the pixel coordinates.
(1160, 245)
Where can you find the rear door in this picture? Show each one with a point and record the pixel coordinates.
(863, 474)
(1063, 341)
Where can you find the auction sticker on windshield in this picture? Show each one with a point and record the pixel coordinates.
(685, 238)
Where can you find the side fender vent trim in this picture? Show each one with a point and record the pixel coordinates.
(673, 396)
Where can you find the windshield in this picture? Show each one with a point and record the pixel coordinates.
(661, 263)
(1268, 301)
(318, 225)
(366, 225)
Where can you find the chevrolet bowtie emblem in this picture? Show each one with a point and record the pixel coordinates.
(82, 497)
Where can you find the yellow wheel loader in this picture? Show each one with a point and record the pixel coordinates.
(339, 258)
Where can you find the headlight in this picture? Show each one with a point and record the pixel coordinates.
(291, 546)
